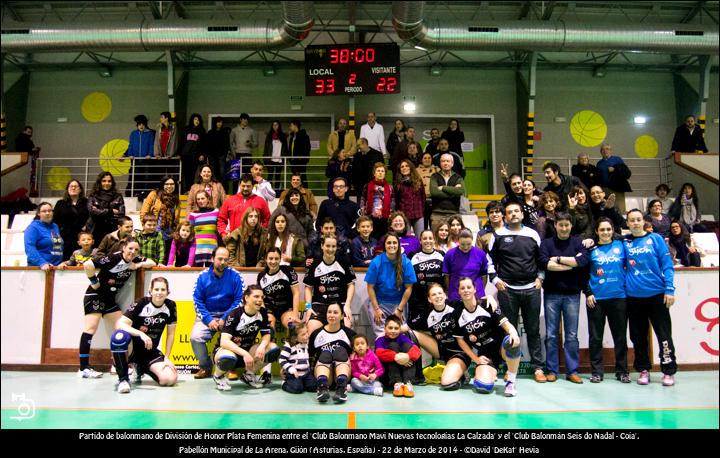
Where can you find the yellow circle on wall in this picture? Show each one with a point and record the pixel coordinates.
(646, 146)
(112, 157)
(588, 128)
(58, 178)
(96, 106)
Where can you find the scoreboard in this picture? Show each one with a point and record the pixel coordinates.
(352, 69)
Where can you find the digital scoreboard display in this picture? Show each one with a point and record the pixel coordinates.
(352, 69)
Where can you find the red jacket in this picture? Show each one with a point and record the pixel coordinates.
(233, 209)
(386, 355)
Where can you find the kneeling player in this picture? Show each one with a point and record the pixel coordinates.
(482, 327)
(237, 346)
(138, 332)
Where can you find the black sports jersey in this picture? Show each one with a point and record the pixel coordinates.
(322, 340)
(150, 319)
(278, 288)
(113, 273)
(483, 323)
(441, 325)
(244, 328)
(329, 282)
(428, 270)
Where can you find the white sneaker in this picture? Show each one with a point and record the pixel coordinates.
(251, 379)
(221, 383)
(377, 391)
(123, 387)
(89, 372)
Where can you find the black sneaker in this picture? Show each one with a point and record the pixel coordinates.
(340, 395)
(266, 378)
(323, 394)
(623, 378)
(420, 382)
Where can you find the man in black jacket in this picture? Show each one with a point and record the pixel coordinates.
(363, 162)
(688, 137)
(299, 148)
(558, 183)
(217, 144)
(343, 211)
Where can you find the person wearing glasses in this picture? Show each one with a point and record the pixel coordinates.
(340, 208)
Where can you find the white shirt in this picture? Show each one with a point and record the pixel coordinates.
(264, 190)
(375, 136)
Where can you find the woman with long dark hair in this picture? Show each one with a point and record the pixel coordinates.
(296, 209)
(274, 152)
(281, 288)
(410, 195)
(390, 278)
(291, 246)
(682, 247)
(105, 205)
(605, 299)
(205, 180)
(686, 208)
(71, 215)
(244, 242)
(164, 204)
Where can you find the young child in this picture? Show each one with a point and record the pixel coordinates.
(112, 243)
(152, 245)
(182, 249)
(295, 361)
(85, 240)
(363, 245)
(366, 368)
(398, 354)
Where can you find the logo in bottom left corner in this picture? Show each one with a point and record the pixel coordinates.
(25, 408)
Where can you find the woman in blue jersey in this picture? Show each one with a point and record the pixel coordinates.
(389, 278)
(651, 293)
(605, 299)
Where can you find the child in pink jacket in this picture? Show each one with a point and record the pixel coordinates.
(365, 367)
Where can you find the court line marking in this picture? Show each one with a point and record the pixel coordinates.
(98, 409)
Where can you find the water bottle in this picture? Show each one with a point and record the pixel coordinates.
(305, 312)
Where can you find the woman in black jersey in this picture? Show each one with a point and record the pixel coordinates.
(138, 333)
(436, 325)
(330, 347)
(281, 288)
(481, 334)
(328, 282)
(107, 275)
(427, 264)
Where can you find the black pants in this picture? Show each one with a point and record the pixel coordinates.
(525, 301)
(615, 310)
(274, 174)
(297, 385)
(217, 164)
(427, 213)
(380, 227)
(395, 372)
(642, 310)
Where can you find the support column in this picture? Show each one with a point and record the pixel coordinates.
(704, 91)
(531, 116)
(351, 114)
(170, 84)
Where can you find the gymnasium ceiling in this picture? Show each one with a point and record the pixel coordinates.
(372, 22)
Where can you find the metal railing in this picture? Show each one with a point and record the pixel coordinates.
(132, 176)
(646, 173)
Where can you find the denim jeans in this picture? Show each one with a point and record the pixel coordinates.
(567, 305)
(199, 337)
(387, 310)
(365, 387)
